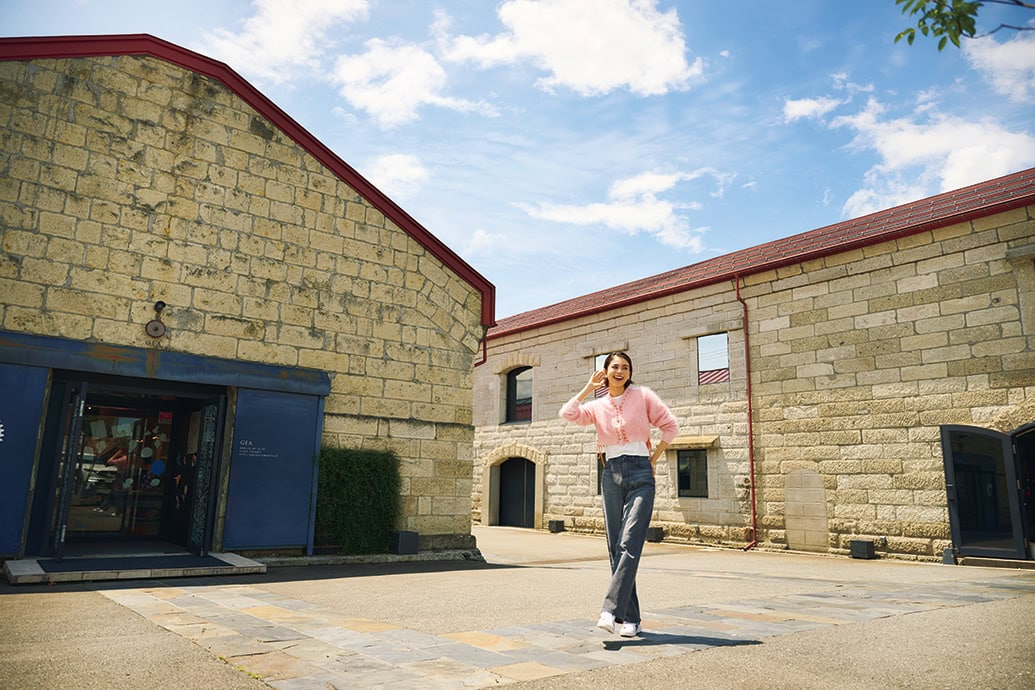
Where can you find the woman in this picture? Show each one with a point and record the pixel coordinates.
(623, 419)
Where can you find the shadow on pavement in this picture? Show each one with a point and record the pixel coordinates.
(650, 639)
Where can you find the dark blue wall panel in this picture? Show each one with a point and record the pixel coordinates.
(22, 390)
(275, 443)
(122, 360)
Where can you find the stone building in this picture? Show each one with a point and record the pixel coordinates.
(816, 380)
(195, 295)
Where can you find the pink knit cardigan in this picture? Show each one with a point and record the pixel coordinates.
(641, 408)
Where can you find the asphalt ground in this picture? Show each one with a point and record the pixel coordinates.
(713, 618)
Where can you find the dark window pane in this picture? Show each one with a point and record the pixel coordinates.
(519, 395)
(692, 473)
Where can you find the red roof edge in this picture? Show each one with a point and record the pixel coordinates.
(57, 47)
(968, 203)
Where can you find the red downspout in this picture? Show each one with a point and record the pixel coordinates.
(750, 414)
(485, 352)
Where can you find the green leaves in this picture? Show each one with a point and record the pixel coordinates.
(358, 500)
(945, 19)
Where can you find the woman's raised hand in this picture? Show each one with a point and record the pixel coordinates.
(598, 379)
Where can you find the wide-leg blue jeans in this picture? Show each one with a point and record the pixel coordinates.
(627, 484)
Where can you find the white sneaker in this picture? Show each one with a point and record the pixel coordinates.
(606, 622)
(630, 630)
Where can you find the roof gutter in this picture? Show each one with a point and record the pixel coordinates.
(960, 217)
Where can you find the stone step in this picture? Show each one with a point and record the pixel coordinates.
(91, 569)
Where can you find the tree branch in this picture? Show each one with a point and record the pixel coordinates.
(1003, 26)
(1012, 3)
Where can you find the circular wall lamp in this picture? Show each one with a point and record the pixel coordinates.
(155, 328)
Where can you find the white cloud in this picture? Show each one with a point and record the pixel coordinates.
(633, 207)
(591, 48)
(816, 108)
(648, 183)
(843, 83)
(391, 81)
(281, 38)
(1009, 66)
(808, 108)
(943, 153)
(883, 191)
(484, 243)
(398, 175)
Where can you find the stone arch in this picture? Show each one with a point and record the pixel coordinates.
(491, 480)
(514, 360)
(805, 511)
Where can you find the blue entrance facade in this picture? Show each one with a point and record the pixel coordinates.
(110, 442)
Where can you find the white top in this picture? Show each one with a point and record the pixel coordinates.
(631, 448)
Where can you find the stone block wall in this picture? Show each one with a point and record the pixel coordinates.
(661, 337)
(856, 360)
(860, 357)
(128, 180)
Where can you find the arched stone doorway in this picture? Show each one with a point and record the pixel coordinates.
(517, 493)
(513, 487)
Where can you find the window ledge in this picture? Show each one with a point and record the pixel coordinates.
(681, 442)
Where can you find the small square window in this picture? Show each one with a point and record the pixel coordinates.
(713, 359)
(692, 471)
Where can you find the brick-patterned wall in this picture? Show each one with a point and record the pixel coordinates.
(860, 357)
(856, 360)
(660, 336)
(128, 180)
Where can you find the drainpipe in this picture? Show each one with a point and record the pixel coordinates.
(750, 415)
(485, 352)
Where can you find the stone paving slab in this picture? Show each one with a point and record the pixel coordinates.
(294, 644)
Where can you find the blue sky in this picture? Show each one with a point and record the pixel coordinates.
(566, 146)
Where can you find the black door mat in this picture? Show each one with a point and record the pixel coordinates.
(69, 565)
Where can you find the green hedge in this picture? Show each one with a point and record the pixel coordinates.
(357, 502)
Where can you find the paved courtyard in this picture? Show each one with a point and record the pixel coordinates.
(713, 618)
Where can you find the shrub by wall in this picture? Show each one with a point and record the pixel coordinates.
(358, 503)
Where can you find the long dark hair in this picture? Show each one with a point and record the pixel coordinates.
(627, 358)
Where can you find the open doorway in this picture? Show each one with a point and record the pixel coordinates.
(517, 493)
(129, 468)
(989, 483)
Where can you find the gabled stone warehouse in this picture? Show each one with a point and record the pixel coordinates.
(201, 294)
(819, 382)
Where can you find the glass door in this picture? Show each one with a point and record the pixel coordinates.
(131, 463)
(118, 471)
(983, 492)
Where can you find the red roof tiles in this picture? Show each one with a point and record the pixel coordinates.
(983, 199)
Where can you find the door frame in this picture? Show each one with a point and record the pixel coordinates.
(70, 429)
(1013, 493)
(62, 424)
